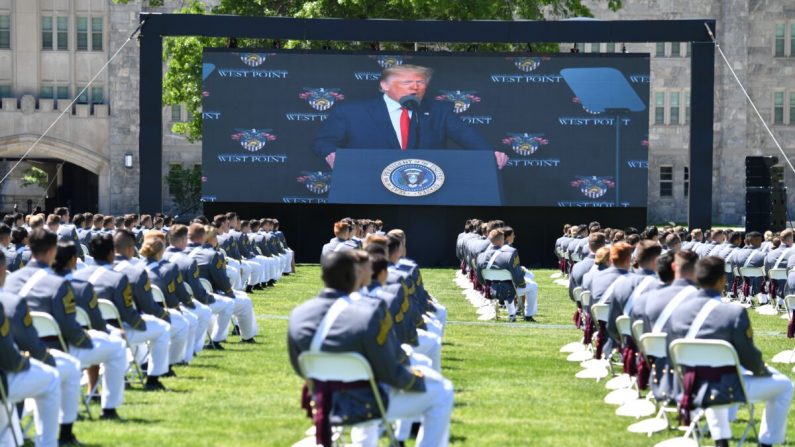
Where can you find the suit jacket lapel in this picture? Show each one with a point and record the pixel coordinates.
(383, 124)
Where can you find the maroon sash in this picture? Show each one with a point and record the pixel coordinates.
(601, 339)
(577, 317)
(735, 284)
(689, 379)
(644, 371)
(587, 332)
(322, 405)
(629, 354)
(791, 326)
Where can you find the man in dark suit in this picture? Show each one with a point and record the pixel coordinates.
(383, 122)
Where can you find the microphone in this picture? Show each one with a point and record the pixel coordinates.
(411, 102)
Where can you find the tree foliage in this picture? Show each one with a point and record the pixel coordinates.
(33, 176)
(182, 80)
(185, 187)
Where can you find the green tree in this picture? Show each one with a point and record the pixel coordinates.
(33, 176)
(182, 80)
(185, 187)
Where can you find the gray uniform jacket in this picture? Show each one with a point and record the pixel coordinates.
(726, 251)
(68, 232)
(504, 259)
(86, 299)
(578, 273)
(190, 273)
(418, 307)
(20, 260)
(114, 286)
(211, 267)
(397, 302)
(475, 247)
(620, 296)
(602, 281)
(10, 358)
(704, 249)
(334, 245)
(164, 275)
(656, 301)
(53, 295)
(587, 278)
(141, 286)
(739, 258)
(22, 330)
(638, 312)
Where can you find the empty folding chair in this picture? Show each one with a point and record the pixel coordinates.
(587, 353)
(343, 367)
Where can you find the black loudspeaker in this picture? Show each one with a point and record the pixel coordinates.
(765, 195)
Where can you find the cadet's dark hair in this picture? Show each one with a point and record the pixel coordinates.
(596, 241)
(507, 231)
(101, 246)
(709, 271)
(41, 241)
(61, 211)
(647, 250)
(123, 239)
(5, 230)
(2, 259)
(8, 219)
(67, 250)
(686, 260)
(664, 269)
(78, 219)
(178, 231)
(376, 249)
(379, 263)
(18, 235)
(754, 235)
(338, 271)
(393, 244)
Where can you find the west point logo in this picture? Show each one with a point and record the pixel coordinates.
(592, 186)
(476, 119)
(412, 178)
(525, 143)
(461, 100)
(317, 182)
(367, 75)
(528, 64)
(588, 121)
(592, 205)
(640, 79)
(250, 73)
(253, 139)
(253, 158)
(211, 115)
(312, 200)
(638, 164)
(321, 99)
(500, 78)
(254, 59)
(529, 163)
(389, 61)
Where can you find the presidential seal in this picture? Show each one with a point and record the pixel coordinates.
(412, 178)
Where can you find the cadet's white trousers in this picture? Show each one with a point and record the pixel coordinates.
(775, 391)
(289, 254)
(268, 267)
(222, 309)
(235, 279)
(193, 323)
(430, 345)
(530, 292)
(433, 406)
(202, 314)
(157, 338)
(244, 311)
(40, 383)
(179, 336)
(69, 373)
(111, 352)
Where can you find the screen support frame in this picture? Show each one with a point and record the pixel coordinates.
(155, 26)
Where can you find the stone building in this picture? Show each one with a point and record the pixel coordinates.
(49, 49)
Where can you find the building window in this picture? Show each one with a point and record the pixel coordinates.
(62, 92)
(595, 47)
(176, 113)
(92, 95)
(688, 49)
(687, 181)
(610, 47)
(83, 98)
(666, 181)
(190, 116)
(659, 108)
(792, 40)
(82, 33)
(5, 31)
(780, 38)
(46, 33)
(5, 91)
(778, 108)
(660, 49)
(687, 107)
(674, 112)
(46, 92)
(96, 34)
(676, 49)
(63, 33)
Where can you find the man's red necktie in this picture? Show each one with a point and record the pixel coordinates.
(404, 128)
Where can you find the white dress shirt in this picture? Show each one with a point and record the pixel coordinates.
(395, 110)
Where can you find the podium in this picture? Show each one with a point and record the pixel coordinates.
(415, 177)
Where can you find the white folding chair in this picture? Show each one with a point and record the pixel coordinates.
(650, 345)
(46, 326)
(206, 284)
(343, 367)
(109, 312)
(158, 295)
(751, 273)
(9, 414)
(82, 318)
(715, 354)
(496, 275)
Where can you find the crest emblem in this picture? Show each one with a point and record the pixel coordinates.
(412, 178)
(593, 187)
(253, 59)
(389, 61)
(317, 182)
(253, 139)
(461, 99)
(321, 99)
(527, 64)
(525, 143)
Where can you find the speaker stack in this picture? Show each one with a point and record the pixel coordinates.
(765, 195)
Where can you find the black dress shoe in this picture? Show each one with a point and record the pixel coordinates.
(214, 345)
(249, 289)
(530, 319)
(153, 384)
(70, 441)
(109, 414)
(236, 330)
(248, 340)
(258, 287)
(170, 373)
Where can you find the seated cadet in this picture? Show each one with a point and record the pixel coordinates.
(5, 243)
(474, 247)
(672, 243)
(26, 378)
(211, 267)
(288, 251)
(777, 259)
(751, 256)
(577, 275)
(203, 303)
(365, 327)
(601, 261)
(240, 275)
(494, 258)
(138, 328)
(717, 237)
(260, 246)
(625, 293)
(341, 240)
(604, 283)
(244, 246)
(19, 244)
(228, 238)
(696, 236)
(165, 276)
(704, 316)
(43, 291)
(530, 290)
(665, 276)
(277, 248)
(394, 295)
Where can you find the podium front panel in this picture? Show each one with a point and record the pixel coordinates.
(415, 177)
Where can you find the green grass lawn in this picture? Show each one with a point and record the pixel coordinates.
(513, 387)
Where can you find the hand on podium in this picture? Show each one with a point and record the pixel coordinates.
(330, 159)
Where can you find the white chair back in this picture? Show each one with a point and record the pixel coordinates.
(497, 275)
(158, 296)
(623, 323)
(575, 256)
(752, 272)
(637, 330)
(188, 288)
(727, 267)
(600, 311)
(585, 297)
(85, 249)
(577, 291)
(702, 352)
(654, 345)
(46, 326)
(82, 317)
(777, 274)
(789, 301)
(108, 310)
(206, 284)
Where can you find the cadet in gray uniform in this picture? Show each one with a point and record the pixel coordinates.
(704, 316)
(494, 258)
(341, 240)
(49, 293)
(19, 245)
(138, 328)
(750, 256)
(626, 292)
(665, 276)
(365, 327)
(595, 242)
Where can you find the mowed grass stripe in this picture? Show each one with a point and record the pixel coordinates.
(513, 387)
